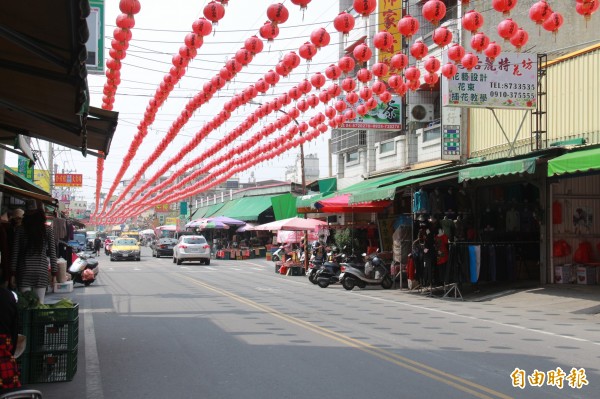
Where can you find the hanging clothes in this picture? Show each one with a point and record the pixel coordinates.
(474, 262)
(437, 202)
(421, 202)
(513, 220)
(556, 212)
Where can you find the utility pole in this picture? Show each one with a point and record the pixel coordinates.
(51, 167)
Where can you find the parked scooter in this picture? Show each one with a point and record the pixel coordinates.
(84, 269)
(314, 265)
(107, 246)
(375, 272)
(329, 272)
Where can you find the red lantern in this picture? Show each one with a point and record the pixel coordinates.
(294, 93)
(479, 41)
(469, 61)
(305, 86)
(520, 38)
(187, 52)
(243, 56)
(412, 73)
(130, 6)
(113, 64)
(320, 37)
(312, 100)
(346, 64)
(365, 7)
(253, 44)
(408, 26)
(394, 81)
(348, 84)
(539, 12)
(277, 13)
(507, 29)
(202, 27)
(343, 23)
(349, 115)
(122, 35)
(334, 90)
(385, 97)
(330, 112)
(431, 79)
(504, 6)
(442, 36)
(402, 89)
(318, 80)
(380, 69)
(301, 3)
(285, 99)
(271, 77)
(193, 40)
(293, 113)
(384, 41)
(434, 11)
(432, 65)
(399, 61)
(262, 86)
(493, 50)
(413, 85)
(456, 52)
(553, 23)
(449, 70)
(269, 31)
(324, 96)
(333, 72)
(378, 87)
(282, 70)
(586, 8)
(119, 46)
(307, 51)
(179, 61)
(371, 104)
(419, 50)
(291, 60)
(214, 12)
(352, 97)
(472, 21)
(362, 110)
(302, 105)
(364, 75)
(362, 53)
(340, 106)
(117, 54)
(233, 66)
(125, 21)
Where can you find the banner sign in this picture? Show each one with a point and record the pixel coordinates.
(509, 81)
(389, 14)
(68, 180)
(384, 117)
(162, 208)
(25, 168)
(95, 43)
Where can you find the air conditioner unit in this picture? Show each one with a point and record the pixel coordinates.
(420, 112)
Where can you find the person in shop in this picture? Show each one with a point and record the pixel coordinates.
(34, 250)
(9, 374)
(10, 221)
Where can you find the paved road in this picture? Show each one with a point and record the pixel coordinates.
(235, 329)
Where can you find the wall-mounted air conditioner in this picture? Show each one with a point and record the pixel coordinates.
(420, 112)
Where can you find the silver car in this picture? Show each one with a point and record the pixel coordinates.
(191, 248)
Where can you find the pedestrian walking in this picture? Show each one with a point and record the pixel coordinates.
(34, 252)
(97, 245)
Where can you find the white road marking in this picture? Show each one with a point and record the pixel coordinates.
(93, 378)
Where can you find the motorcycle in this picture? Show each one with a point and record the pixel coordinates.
(107, 247)
(374, 272)
(314, 265)
(84, 269)
(329, 272)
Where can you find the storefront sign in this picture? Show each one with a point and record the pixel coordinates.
(162, 208)
(451, 148)
(95, 43)
(384, 117)
(509, 81)
(25, 168)
(68, 180)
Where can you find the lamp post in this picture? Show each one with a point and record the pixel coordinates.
(303, 178)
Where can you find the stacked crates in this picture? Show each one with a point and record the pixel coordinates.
(52, 338)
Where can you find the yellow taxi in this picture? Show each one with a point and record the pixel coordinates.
(125, 248)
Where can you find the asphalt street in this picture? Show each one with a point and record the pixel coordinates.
(235, 329)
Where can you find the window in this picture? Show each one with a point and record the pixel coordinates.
(344, 140)
(432, 133)
(352, 156)
(387, 146)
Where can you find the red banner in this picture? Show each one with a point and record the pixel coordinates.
(68, 180)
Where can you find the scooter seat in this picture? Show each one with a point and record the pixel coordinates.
(92, 263)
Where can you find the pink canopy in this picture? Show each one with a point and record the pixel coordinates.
(293, 224)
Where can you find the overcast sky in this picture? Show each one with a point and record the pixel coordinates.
(159, 32)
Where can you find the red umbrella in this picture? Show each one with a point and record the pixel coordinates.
(341, 204)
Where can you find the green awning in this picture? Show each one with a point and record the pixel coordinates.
(327, 185)
(570, 142)
(378, 182)
(389, 192)
(505, 168)
(306, 203)
(575, 162)
(284, 206)
(247, 208)
(211, 210)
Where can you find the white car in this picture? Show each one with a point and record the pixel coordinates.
(191, 248)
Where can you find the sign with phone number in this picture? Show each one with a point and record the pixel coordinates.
(509, 81)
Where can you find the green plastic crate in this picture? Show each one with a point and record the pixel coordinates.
(54, 315)
(58, 336)
(55, 366)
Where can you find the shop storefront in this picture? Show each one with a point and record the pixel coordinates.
(574, 228)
